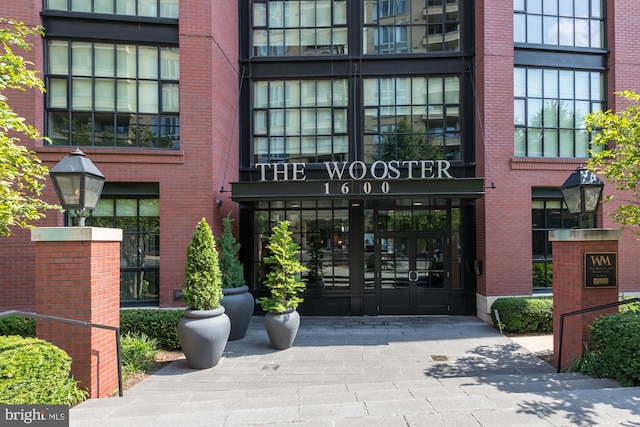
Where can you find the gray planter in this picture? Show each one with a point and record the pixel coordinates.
(282, 328)
(203, 335)
(238, 304)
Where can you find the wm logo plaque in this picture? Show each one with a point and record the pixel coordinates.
(601, 270)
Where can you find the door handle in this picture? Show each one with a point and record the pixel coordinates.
(413, 278)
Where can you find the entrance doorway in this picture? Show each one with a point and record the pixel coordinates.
(413, 273)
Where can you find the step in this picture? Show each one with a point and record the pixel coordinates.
(604, 406)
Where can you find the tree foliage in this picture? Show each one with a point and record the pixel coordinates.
(283, 279)
(402, 143)
(619, 160)
(230, 265)
(22, 175)
(315, 265)
(203, 279)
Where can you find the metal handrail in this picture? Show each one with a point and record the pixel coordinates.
(585, 310)
(80, 323)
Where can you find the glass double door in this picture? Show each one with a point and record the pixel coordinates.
(413, 273)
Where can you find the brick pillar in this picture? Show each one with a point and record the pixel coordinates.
(77, 274)
(570, 290)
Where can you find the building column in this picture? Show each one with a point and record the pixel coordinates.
(77, 275)
(584, 276)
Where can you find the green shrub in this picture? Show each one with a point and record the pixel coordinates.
(33, 371)
(202, 277)
(283, 278)
(161, 325)
(16, 325)
(138, 353)
(524, 315)
(230, 266)
(631, 307)
(585, 363)
(616, 342)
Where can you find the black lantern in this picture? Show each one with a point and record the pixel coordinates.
(78, 183)
(582, 193)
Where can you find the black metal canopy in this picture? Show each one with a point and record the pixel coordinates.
(461, 188)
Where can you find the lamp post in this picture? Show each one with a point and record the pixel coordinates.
(584, 269)
(582, 193)
(78, 183)
(84, 263)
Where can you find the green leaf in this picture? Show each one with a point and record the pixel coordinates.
(22, 176)
(616, 155)
(203, 279)
(283, 279)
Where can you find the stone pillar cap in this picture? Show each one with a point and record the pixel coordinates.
(583, 234)
(76, 234)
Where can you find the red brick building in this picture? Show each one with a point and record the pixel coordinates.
(418, 146)
(113, 80)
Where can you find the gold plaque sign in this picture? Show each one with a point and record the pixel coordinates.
(601, 270)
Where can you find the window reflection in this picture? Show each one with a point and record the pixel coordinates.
(139, 220)
(384, 218)
(547, 214)
(323, 235)
(559, 22)
(411, 26)
(132, 100)
(299, 28)
(549, 110)
(412, 118)
(166, 9)
(300, 121)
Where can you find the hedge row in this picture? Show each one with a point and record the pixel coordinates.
(16, 325)
(160, 324)
(524, 315)
(615, 341)
(33, 371)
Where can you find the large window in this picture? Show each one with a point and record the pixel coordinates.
(112, 95)
(320, 228)
(549, 110)
(410, 26)
(139, 219)
(148, 8)
(547, 214)
(299, 27)
(300, 121)
(559, 22)
(412, 118)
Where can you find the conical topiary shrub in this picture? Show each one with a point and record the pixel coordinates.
(230, 265)
(237, 300)
(202, 275)
(204, 329)
(283, 280)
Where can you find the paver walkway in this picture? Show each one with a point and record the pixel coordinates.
(370, 371)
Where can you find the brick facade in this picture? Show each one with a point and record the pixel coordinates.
(504, 213)
(189, 179)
